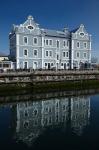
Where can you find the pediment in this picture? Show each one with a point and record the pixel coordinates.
(30, 23)
(81, 30)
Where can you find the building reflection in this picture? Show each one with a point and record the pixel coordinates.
(34, 117)
(80, 114)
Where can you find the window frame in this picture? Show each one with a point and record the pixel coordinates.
(26, 43)
(84, 55)
(46, 52)
(24, 52)
(77, 54)
(34, 40)
(24, 64)
(34, 51)
(57, 43)
(64, 54)
(85, 43)
(47, 42)
(77, 44)
(50, 44)
(66, 43)
(35, 62)
(51, 52)
(67, 54)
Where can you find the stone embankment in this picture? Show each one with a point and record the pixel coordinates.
(40, 81)
(48, 76)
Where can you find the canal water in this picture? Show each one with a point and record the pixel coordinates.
(70, 123)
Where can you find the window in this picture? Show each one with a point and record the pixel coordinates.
(78, 44)
(57, 57)
(51, 64)
(67, 54)
(35, 52)
(25, 52)
(25, 40)
(46, 42)
(63, 54)
(50, 53)
(35, 65)
(67, 43)
(85, 45)
(5, 65)
(25, 65)
(64, 43)
(81, 34)
(46, 53)
(57, 44)
(35, 41)
(50, 42)
(45, 64)
(77, 54)
(85, 55)
(61, 64)
(30, 27)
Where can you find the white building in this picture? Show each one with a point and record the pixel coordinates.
(34, 47)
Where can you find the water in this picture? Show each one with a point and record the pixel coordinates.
(70, 123)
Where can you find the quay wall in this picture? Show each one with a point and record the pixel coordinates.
(48, 76)
(41, 81)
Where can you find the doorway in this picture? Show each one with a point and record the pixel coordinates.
(64, 65)
(34, 65)
(49, 66)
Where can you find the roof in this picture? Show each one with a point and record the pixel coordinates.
(54, 33)
(74, 30)
(3, 54)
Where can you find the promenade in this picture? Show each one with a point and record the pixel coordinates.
(47, 75)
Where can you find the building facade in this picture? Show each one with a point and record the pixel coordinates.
(5, 63)
(34, 47)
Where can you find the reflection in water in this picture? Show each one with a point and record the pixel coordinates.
(33, 118)
(80, 113)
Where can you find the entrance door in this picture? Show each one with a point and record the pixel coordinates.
(64, 65)
(49, 66)
(25, 65)
(34, 65)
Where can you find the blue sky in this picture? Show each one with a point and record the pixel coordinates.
(54, 14)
